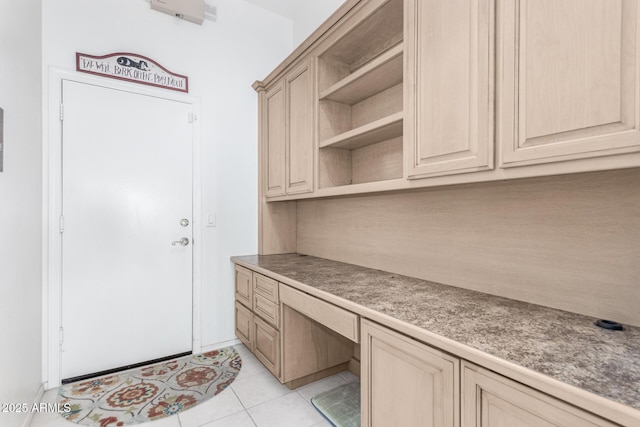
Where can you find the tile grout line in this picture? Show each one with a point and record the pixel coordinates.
(244, 408)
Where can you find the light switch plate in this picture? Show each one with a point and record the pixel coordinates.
(211, 220)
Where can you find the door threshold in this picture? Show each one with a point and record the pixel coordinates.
(123, 368)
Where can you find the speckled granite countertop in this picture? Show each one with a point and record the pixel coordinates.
(562, 345)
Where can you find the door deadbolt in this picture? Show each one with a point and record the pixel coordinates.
(184, 222)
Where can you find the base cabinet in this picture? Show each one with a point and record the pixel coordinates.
(243, 286)
(267, 345)
(291, 344)
(257, 317)
(244, 325)
(491, 400)
(406, 383)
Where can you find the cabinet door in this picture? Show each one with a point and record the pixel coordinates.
(274, 138)
(300, 126)
(406, 383)
(266, 344)
(244, 325)
(490, 400)
(568, 79)
(449, 86)
(244, 287)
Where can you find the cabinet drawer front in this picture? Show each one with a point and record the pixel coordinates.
(244, 325)
(266, 309)
(266, 344)
(266, 287)
(338, 319)
(244, 290)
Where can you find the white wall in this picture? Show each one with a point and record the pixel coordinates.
(20, 205)
(222, 59)
(308, 15)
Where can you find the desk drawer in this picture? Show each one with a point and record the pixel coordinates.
(266, 287)
(266, 309)
(338, 319)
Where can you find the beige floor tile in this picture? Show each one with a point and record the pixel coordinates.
(348, 376)
(250, 365)
(47, 419)
(291, 410)
(50, 396)
(171, 421)
(258, 389)
(323, 423)
(240, 419)
(315, 388)
(222, 405)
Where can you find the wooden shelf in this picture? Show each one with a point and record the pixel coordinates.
(371, 133)
(380, 27)
(381, 73)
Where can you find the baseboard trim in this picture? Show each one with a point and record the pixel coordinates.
(354, 367)
(217, 346)
(36, 401)
(316, 376)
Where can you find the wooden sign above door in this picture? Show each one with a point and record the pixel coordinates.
(132, 68)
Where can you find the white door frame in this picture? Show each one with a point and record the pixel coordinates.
(51, 212)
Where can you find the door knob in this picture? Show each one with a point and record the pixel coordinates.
(184, 242)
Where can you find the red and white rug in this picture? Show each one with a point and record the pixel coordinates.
(149, 393)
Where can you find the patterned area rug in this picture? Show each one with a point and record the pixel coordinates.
(151, 392)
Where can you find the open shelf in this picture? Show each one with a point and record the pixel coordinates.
(370, 163)
(380, 130)
(360, 81)
(380, 74)
(373, 34)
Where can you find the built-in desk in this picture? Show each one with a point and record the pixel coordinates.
(520, 360)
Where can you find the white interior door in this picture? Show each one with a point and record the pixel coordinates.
(126, 196)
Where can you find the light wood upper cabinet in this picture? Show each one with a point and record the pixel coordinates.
(401, 94)
(288, 133)
(449, 86)
(300, 126)
(568, 79)
(490, 400)
(406, 383)
(274, 140)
